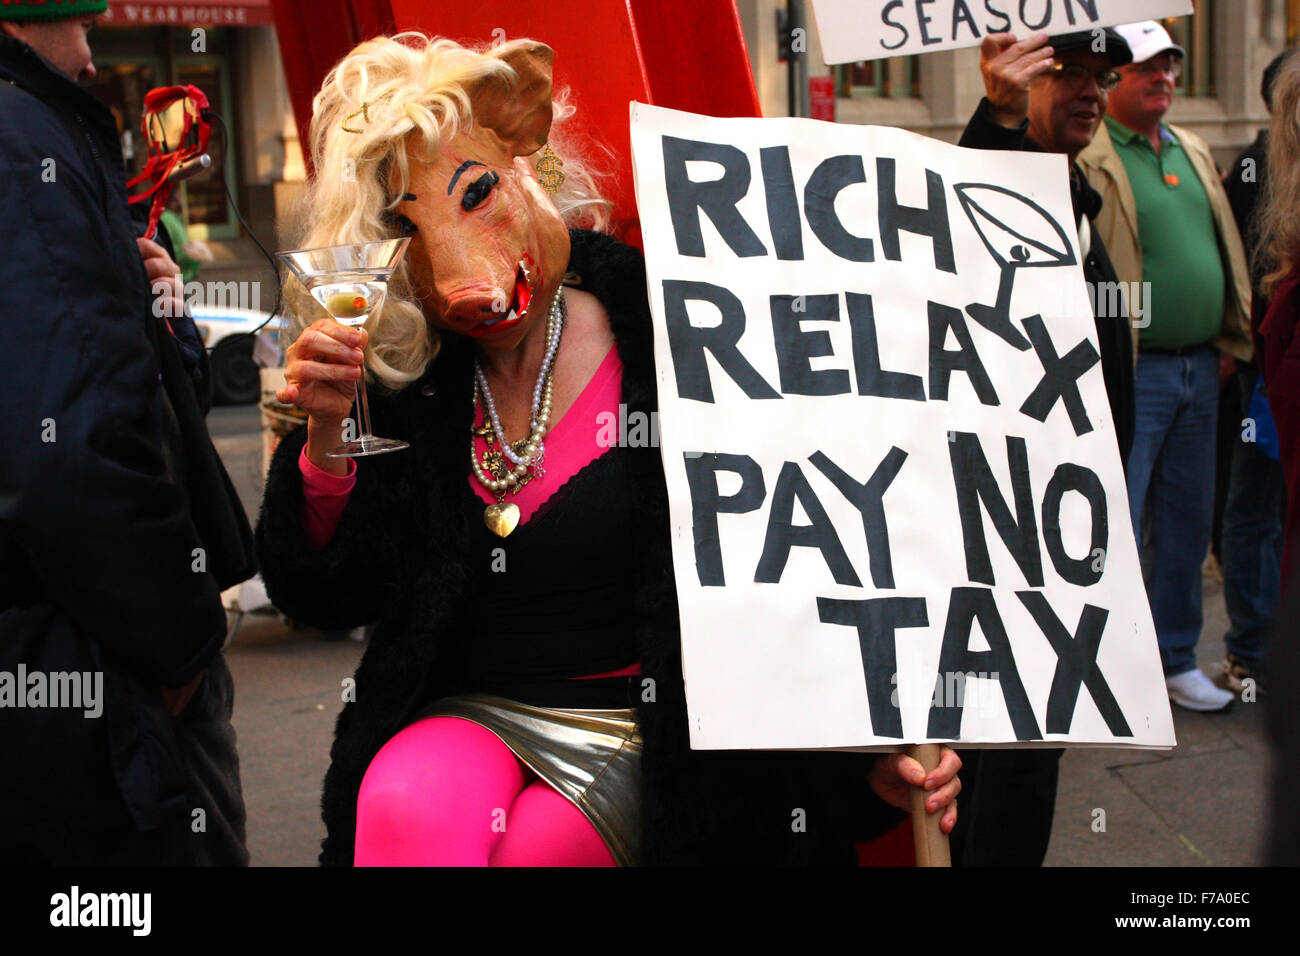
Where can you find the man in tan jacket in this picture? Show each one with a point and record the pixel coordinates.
(1169, 228)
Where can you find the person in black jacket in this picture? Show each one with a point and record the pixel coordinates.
(118, 525)
(579, 625)
(1045, 98)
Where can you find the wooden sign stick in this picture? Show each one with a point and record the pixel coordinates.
(931, 842)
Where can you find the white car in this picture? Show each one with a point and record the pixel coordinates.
(236, 356)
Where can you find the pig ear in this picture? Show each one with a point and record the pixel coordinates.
(520, 117)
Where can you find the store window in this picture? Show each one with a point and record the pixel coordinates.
(1195, 34)
(895, 77)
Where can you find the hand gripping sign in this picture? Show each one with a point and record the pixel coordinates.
(898, 510)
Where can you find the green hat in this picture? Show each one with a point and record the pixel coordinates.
(50, 9)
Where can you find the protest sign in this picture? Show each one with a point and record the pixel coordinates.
(897, 507)
(853, 30)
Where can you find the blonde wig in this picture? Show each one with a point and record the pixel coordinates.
(1279, 217)
(403, 95)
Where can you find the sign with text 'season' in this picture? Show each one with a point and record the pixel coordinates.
(897, 508)
(853, 30)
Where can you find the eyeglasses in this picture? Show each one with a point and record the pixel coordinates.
(1077, 74)
(1157, 66)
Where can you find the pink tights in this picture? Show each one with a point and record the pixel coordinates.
(447, 792)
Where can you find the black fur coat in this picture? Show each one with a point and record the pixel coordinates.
(398, 558)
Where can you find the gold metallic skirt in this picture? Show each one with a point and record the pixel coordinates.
(592, 757)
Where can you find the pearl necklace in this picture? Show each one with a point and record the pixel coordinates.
(534, 448)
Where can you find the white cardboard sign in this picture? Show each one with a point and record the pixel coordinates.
(898, 512)
(853, 30)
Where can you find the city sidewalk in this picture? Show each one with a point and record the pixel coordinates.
(1203, 803)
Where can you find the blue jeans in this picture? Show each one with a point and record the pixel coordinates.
(1171, 476)
(1252, 539)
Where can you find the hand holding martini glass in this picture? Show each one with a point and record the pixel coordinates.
(350, 281)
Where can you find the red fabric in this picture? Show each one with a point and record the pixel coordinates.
(618, 53)
(632, 670)
(1278, 346)
(895, 848)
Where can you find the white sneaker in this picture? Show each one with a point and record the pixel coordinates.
(1195, 691)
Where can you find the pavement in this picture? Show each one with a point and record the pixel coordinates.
(1201, 804)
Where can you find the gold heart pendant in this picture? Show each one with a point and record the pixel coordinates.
(501, 519)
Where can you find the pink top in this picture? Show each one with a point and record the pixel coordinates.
(575, 440)
(588, 429)
(324, 496)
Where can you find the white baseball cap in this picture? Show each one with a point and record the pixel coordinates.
(1149, 39)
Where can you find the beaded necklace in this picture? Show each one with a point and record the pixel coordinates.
(507, 468)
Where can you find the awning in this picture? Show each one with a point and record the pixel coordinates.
(188, 13)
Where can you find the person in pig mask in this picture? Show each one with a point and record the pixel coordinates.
(520, 701)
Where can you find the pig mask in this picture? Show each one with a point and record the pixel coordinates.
(489, 249)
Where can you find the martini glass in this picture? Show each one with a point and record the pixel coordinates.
(350, 282)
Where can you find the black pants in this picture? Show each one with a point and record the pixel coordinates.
(1005, 810)
(210, 833)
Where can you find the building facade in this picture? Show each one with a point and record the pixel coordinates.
(229, 49)
(1229, 42)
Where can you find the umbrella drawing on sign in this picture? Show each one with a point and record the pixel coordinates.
(1019, 234)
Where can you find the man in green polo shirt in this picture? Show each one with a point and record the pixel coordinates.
(1180, 246)
(1169, 228)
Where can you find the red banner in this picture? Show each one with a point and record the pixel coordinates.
(170, 13)
(607, 52)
